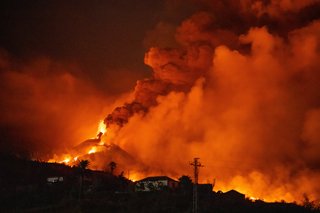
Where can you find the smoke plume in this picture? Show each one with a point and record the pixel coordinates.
(241, 91)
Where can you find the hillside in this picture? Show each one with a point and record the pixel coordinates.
(25, 188)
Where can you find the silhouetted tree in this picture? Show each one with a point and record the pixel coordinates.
(185, 184)
(310, 205)
(82, 166)
(112, 166)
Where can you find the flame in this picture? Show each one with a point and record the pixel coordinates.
(134, 176)
(101, 127)
(67, 160)
(71, 158)
(92, 150)
(253, 198)
(64, 159)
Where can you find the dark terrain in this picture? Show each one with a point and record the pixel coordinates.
(25, 188)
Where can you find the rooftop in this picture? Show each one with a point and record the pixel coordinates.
(157, 178)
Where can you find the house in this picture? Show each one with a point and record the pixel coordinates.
(233, 196)
(156, 183)
(51, 180)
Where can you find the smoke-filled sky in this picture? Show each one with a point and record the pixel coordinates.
(236, 83)
(98, 36)
(62, 61)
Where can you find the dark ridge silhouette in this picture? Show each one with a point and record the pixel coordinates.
(34, 186)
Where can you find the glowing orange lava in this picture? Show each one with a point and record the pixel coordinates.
(92, 150)
(77, 154)
(102, 127)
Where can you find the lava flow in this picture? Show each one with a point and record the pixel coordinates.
(85, 148)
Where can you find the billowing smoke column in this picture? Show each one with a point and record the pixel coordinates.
(174, 70)
(240, 90)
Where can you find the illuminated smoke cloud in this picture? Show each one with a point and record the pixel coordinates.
(174, 70)
(278, 8)
(177, 69)
(243, 96)
(120, 115)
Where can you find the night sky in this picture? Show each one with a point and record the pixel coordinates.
(105, 38)
(99, 36)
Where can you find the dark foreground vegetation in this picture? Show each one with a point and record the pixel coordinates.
(24, 187)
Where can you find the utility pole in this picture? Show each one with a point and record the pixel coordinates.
(196, 164)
